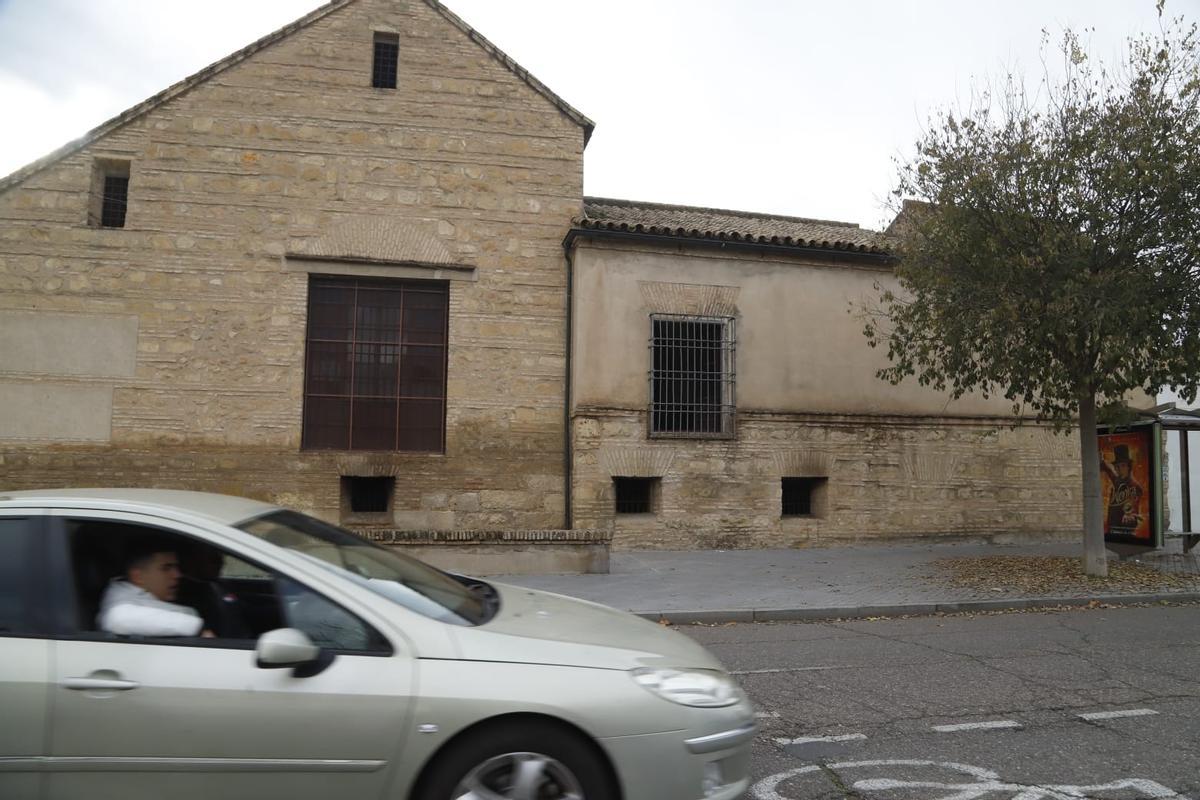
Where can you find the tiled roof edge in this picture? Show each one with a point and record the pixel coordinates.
(566, 108)
(609, 201)
(171, 92)
(731, 237)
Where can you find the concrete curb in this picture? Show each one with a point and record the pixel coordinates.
(683, 617)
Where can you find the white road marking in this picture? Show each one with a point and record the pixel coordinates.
(1129, 712)
(845, 737)
(986, 782)
(977, 726)
(767, 714)
(786, 669)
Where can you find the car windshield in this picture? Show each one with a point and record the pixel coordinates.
(400, 578)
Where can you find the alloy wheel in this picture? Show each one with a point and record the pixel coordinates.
(519, 776)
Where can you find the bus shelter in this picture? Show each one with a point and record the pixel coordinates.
(1150, 471)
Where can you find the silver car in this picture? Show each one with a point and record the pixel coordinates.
(331, 667)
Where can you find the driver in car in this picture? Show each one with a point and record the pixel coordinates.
(141, 604)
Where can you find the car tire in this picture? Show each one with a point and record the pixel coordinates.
(522, 761)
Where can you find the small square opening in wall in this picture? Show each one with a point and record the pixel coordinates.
(803, 497)
(636, 495)
(369, 496)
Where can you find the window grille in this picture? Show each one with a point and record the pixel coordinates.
(691, 376)
(108, 200)
(635, 495)
(116, 200)
(368, 495)
(375, 366)
(384, 65)
(798, 495)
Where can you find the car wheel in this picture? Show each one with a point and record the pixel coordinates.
(520, 762)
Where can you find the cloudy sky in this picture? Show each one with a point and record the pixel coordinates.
(785, 106)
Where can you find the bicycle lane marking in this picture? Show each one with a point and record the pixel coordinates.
(987, 782)
(992, 725)
(843, 737)
(1096, 716)
(765, 789)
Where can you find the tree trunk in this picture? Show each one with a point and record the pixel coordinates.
(1095, 560)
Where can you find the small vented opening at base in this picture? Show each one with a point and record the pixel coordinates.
(367, 495)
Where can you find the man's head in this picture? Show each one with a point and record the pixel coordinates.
(153, 566)
(1122, 460)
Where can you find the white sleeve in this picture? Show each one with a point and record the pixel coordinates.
(130, 619)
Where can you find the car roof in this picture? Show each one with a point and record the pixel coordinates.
(222, 508)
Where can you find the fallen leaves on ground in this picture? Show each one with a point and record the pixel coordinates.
(1055, 575)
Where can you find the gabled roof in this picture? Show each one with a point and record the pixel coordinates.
(233, 59)
(522, 73)
(720, 225)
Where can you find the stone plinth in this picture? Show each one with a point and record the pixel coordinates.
(503, 552)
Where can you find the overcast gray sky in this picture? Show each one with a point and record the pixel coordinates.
(780, 106)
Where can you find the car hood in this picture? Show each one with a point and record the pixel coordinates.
(535, 627)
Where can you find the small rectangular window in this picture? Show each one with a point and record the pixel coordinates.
(116, 200)
(636, 495)
(801, 496)
(368, 495)
(691, 376)
(387, 54)
(110, 193)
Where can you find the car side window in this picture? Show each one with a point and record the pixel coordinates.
(326, 623)
(225, 601)
(16, 550)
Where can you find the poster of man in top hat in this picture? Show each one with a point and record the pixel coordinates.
(1124, 459)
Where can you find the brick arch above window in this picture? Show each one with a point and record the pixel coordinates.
(374, 240)
(696, 299)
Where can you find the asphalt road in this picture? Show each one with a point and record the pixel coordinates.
(967, 707)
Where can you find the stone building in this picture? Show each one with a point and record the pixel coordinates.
(329, 271)
(162, 279)
(723, 394)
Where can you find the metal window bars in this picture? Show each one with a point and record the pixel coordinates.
(692, 376)
(796, 496)
(634, 495)
(114, 201)
(384, 62)
(375, 374)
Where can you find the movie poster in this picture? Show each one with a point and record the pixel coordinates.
(1125, 468)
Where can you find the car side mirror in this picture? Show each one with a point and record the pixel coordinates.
(287, 647)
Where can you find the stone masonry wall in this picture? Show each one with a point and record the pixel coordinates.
(228, 177)
(888, 478)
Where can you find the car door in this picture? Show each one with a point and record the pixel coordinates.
(196, 718)
(24, 655)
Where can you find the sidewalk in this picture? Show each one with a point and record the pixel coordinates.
(823, 583)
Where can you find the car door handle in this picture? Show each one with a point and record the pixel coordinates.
(109, 684)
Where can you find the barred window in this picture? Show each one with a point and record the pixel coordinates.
(384, 64)
(109, 193)
(116, 200)
(635, 495)
(691, 376)
(802, 497)
(375, 367)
